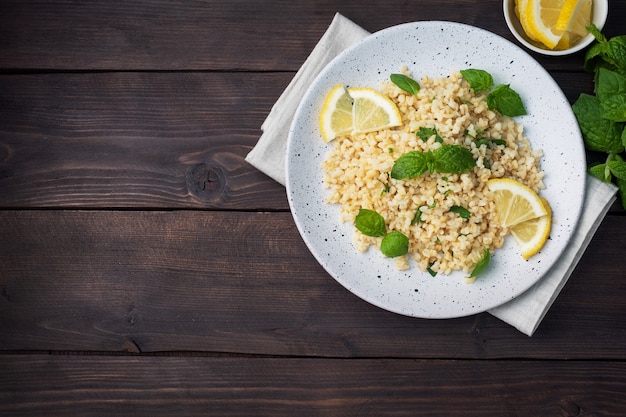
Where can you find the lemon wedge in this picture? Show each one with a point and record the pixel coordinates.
(539, 19)
(336, 115)
(515, 202)
(574, 18)
(356, 110)
(556, 24)
(532, 235)
(520, 209)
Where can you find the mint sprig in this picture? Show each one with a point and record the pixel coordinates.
(602, 117)
(447, 159)
(501, 98)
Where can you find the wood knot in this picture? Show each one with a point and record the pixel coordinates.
(570, 408)
(205, 180)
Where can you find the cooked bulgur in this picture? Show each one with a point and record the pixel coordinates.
(357, 174)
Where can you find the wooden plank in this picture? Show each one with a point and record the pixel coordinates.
(135, 140)
(174, 35)
(243, 282)
(200, 386)
(156, 140)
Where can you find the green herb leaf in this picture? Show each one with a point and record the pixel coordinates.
(453, 159)
(394, 244)
(481, 265)
(405, 83)
(601, 172)
(611, 51)
(430, 271)
(478, 79)
(417, 219)
(461, 211)
(425, 133)
(611, 91)
(447, 159)
(506, 101)
(600, 134)
(485, 141)
(370, 223)
(615, 51)
(617, 166)
(410, 164)
(593, 29)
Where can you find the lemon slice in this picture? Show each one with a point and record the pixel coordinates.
(515, 202)
(532, 235)
(539, 19)
(356, 110)
(336, 115)
(574, 18)
(373, 111)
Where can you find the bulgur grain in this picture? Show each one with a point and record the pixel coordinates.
(356, 172)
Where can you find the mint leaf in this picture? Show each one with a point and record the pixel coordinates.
(478, 79)
(447, 159)
(611, 51)
(601, 172)
(481, 265)
(394, 244)
(616, 51)
(370, 223)
(611, 91)
(617, 166)
(409, 165)
(461, 211)
(600, 134)
(417, 219)
(405, 83)
(453, 159)
(430, 270)
(486, 141)
(593, 29)
(425, 133)
(506, 101)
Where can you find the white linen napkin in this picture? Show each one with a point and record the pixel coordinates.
(524, 312)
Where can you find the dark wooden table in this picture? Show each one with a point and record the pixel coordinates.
(147, 269)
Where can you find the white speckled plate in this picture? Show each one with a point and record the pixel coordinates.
(436, 49)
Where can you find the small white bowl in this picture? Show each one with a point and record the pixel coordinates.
(598, 17)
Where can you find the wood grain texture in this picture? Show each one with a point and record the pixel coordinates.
(200, 386)
(245, 283)
(213, 35)
(135, 140)
(147, 269)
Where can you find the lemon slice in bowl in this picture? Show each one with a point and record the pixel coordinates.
(539, 19)
(532, 234)
(356, 110)
(515, 202)
(574, 18)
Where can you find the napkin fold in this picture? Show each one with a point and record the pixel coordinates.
(269, 153)
(526, 311)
